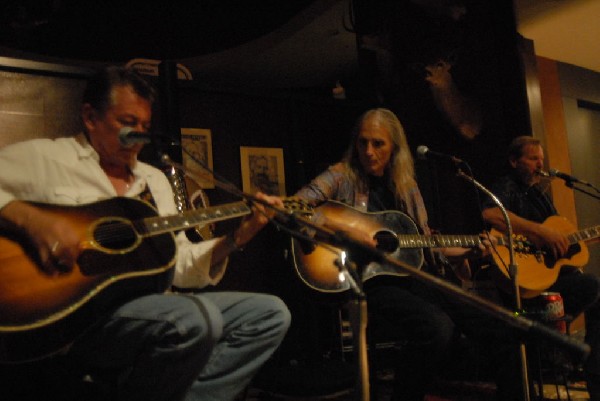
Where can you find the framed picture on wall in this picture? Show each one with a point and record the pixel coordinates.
(262, 170)
(196, 146)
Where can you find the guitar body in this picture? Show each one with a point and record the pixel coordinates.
(41, 313)
(538, 270)
(316, 265)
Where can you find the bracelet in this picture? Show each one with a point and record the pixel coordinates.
(232, 246)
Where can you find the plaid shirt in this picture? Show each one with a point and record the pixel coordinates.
(337, 184)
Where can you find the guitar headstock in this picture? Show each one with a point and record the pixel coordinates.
(298, 206)
(522, 245)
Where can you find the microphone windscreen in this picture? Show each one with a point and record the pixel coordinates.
(422, 152)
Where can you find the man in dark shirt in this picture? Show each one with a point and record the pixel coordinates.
(528, 208)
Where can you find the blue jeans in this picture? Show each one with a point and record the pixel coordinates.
(204, 346)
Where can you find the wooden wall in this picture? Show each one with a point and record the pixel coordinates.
(35, 105)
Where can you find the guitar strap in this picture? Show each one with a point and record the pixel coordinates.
(202, 310)
(381, 198)
(146, 195)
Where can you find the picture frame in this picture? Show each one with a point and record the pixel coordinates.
(262, 170)
(196, 148)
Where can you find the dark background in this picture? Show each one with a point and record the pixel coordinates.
(395, 40)
(395, 43)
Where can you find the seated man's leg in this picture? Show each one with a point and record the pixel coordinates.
(253, 327)
(580, 292)
(165, 341)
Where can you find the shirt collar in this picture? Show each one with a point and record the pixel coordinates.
(86, 150)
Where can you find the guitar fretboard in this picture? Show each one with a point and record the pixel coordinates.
(441, 241)
(192, 218)
(584, 235)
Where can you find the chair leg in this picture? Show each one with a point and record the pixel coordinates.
(539, 374)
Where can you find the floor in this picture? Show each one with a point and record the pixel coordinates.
(335, 380)
(307, 373)
(311, 371)
(447, 391)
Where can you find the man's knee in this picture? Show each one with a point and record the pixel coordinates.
(195, 322)
(268, 312)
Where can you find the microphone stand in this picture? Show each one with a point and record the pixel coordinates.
(363, 253)
(513, 272)
(569, 183)
(351, 266)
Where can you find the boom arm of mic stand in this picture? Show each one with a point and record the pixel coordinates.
(571, 185)
(363, 253)
(578, 349)
(512, 266)
(513, 273)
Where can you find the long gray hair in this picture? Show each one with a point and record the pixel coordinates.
(401, 167)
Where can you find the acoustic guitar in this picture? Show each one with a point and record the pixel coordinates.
(538, 269)
(395, 234)
(127, 251)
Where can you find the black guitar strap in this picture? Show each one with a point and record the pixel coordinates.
(381, 198)
(146, 195)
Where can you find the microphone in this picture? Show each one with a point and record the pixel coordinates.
(128, 137)
(424, 153)
(542, 173)
(569, 178)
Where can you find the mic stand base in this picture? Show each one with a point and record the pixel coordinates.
(357, 310)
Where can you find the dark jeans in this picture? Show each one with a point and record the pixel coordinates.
(428, 321)
(580, 292)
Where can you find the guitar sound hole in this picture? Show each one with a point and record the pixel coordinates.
(387, 241)
(115, 235)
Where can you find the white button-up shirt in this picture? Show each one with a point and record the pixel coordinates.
(66, 171)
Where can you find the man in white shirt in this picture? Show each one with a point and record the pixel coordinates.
(205, 346)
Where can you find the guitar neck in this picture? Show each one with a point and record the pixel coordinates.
(584, 235)
(442, 241)
(192, 218)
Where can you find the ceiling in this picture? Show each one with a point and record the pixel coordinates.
(260, 43)
(563, 30)
(273, 43)
(116, 30)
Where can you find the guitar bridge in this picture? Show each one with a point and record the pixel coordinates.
(539, 256)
